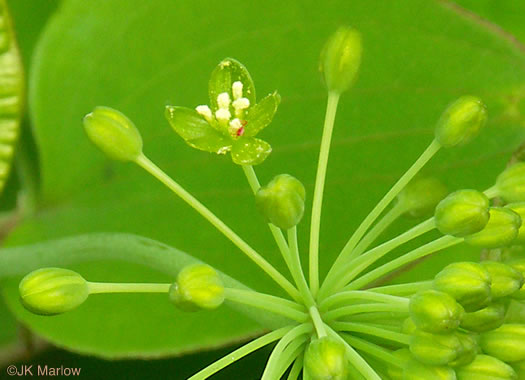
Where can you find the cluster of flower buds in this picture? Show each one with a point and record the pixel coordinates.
(458, 327)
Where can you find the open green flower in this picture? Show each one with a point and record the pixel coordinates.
(231, 121)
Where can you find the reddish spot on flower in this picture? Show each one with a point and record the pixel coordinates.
(240, 132)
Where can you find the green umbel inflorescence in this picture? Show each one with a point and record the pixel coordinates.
(467, 323)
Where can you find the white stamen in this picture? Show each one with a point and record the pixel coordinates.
(237, 90)
(223, 100)
(235, 126)
(223, 115)
(241, 104)
(205, 111)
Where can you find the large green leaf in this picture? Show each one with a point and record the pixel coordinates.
(418, 56)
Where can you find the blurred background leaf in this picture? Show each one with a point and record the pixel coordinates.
(137, 57)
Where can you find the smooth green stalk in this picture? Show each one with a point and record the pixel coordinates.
(391, 216)
(110, 287)
(372, 330)
(296, 268)
(296, 368)
(432, 149)
(372, 349)
(380, 317)
(232, 357)
(266, 302)
(290, 353)
(345, 297)
(290, 250)
(355, 359)
(425, 250)
(315, 226)
(273, 362)
(364, 308)
(155, 171)
(349, 271)
(317, 321)
(492, 192)
(403, 289)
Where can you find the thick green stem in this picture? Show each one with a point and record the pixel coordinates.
(240, 353)
(318, 322)
(364, 308)
(111, 287)
(345, 297)
(355, 359)
(315, 226)
(276, 305)
(425, 250)
(372, 349)
(432, 149)
(155, 171)
(350, 270)
(403, 289)
(273, 362)
(372, 330)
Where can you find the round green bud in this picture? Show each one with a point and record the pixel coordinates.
(51, 291)
(470, 349)
(340, 59)
(415, 370)
(505, 279)
(281, 202)
(396, 372)
(507, 342)
(198, 287)
(461, 121)
(519, 265)
(486, 319)
(519, 367)
(468, 283)
(511, 183)
(408, 326)
(485, 367)
(113, 133)
(436, 349)
(435, 312)
(420, 197)
(325, 358)
(462, 213)
(519, 208)
(501, 230)
(515, 312)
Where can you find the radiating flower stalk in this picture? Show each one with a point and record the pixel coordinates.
(465, 323)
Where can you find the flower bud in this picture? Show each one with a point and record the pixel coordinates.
(50, 291)
(282, 201)
(511, 183)
(486, 367)
(519, 208)
(113, 133)
(340, 59)
(420, 197)
(198, 286)
(469, 351)
(519, 265)
(486, 319)
(505, 279)
(325, 358)
(501, 230)
(415, 370)
(436, 349)
(468, 283)
(461, 121)
(435, 312)
(507, 343)
(462, 213)
(396, 372)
